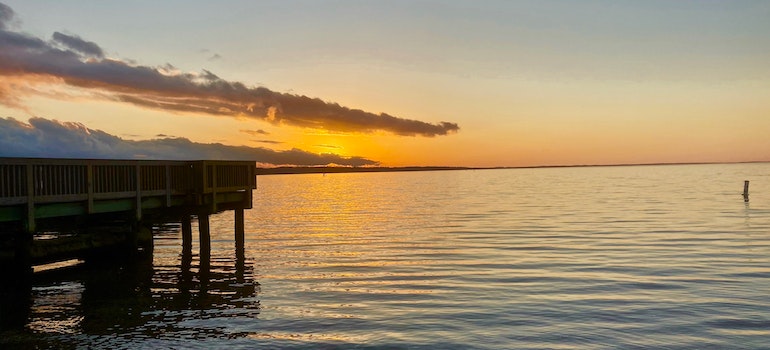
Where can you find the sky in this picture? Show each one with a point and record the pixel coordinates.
(389, 83)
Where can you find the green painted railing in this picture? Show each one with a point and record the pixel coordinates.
(29, 184)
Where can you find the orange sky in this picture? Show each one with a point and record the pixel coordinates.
(527, 82)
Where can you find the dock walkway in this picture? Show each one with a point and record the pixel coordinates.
(40, 195)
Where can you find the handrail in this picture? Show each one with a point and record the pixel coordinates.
(72, 177)
(32, 182)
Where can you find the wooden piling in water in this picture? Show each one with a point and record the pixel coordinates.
(746, 190)
(239, 230)
(204, 231)
(186, 233)
(22, 261)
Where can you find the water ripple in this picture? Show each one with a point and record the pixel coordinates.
(665, 257)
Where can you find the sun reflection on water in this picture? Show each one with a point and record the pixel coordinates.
(630, 257)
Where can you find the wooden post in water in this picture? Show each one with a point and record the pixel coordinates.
(239, 231)
(205, 235)
(746, 191)
(186, 234)
(23, 253)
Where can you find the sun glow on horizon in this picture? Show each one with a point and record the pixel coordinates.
(454, 84)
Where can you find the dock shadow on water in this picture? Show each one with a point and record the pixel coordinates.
(142, 300)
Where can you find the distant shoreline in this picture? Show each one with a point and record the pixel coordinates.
(324, 170)
(332, 170)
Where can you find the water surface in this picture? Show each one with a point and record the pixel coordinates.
(601, 257)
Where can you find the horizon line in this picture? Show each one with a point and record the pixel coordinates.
(288, 170)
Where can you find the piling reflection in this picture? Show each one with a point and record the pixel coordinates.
(132, 298)
(15, 303)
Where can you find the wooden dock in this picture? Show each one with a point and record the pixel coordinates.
(98, 200)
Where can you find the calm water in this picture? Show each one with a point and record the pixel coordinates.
(588, 258)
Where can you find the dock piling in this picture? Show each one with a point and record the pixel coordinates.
(186, 233)
(204, 231)
(746, 190)
(239, 230)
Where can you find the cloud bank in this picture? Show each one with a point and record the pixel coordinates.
(44, 138)
(73, 61)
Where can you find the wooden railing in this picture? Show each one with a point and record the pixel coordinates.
(221, 176)
(33, 180)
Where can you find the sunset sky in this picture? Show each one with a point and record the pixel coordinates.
(394, 83)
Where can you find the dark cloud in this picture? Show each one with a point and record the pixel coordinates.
(329, 146)
(44, 138)
(81, 63)
(215, 57)
(79, 45)
(254, 132)
(6, 15)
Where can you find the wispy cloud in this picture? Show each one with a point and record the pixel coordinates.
(44, 138)
(272, 142)
(73, 61)
(75, 43)
(254, 132)
(329, 146)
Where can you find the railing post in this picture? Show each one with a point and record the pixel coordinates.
(30, 198)
(138, 193)
(23, 244)
(214, 188)
(252, 184)
(90, 187)
(203, 181)
(168, 185)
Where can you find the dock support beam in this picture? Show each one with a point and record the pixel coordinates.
(186, 234)
(239, 231)
(205, 234)
(22, 264)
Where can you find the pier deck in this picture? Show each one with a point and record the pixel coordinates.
(39, 195)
